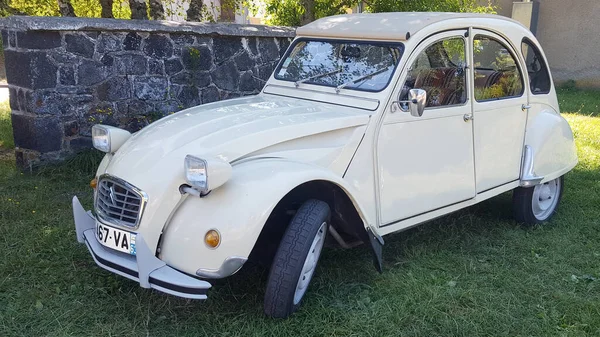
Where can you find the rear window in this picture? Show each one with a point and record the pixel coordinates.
(539, 77)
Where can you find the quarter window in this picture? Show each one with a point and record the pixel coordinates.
(497, 75)
(439, 70)
(539, 78)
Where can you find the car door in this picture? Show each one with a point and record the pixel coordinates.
(425, 163)
(499, 111)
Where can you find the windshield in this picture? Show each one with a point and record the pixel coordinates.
(354, 65)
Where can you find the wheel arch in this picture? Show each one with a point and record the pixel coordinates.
(345, 217)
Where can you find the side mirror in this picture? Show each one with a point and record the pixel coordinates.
(417, 99)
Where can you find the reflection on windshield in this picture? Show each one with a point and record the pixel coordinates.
(352, 65)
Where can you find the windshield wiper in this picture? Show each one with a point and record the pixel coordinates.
(358, 79)
(297, 83)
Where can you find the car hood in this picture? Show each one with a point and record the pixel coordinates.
(232, 129)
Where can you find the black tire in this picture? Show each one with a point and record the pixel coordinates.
(291, 254)
(523, 204)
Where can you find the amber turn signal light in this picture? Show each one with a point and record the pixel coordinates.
(212, 238)
(94, 183)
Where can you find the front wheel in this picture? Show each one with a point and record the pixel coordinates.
(296, 259)
(537, 204)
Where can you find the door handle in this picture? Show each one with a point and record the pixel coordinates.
(525, 107)
(468, 117)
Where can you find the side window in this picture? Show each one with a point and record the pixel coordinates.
(497, 75)
(539, 78)
(439, 70)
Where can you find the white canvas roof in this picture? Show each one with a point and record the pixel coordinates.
(382, 26)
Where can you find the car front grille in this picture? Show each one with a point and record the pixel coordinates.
(118, 202)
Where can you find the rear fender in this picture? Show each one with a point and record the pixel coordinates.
(550, 150)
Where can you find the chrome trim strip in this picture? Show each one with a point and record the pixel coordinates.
(529, 178)
(113, 222)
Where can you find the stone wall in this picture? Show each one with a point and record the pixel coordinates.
(66, 74)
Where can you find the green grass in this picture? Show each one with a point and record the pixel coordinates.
(472, 273)
(6, 134)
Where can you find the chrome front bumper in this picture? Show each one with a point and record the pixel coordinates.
(144, 267)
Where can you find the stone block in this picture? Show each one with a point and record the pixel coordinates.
(265, 70)
(226, 76)
(80, 44)
(132, 41)
(66, 75)
(38, 40)
(46, 102)
(225, 47)
(107, 60)
(210, 94)
(158, 46)
(81, 143)
(268, 49)
(248, 82)
(244, 62)
(183, 39)
(71, 128)
(60, 57)
(151, 88)
(131, 64)
(42, 134)
(114, 89)
(90, 72)
(30, 69)
(109, 42)
(173, 66)
(155, 67)
(197, 58)
(136, 107)
(13, 99)
(168, 107)
(188, 96)
(252, 46)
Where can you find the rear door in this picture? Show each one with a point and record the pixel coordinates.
(499, 110)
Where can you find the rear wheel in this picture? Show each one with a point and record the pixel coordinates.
(537, 204)
(296, 259)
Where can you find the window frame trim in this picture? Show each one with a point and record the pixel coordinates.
(515, 57)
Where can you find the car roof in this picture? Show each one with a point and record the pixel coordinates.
(386, 26)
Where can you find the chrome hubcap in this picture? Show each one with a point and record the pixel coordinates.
(310, 263)
(545, 199)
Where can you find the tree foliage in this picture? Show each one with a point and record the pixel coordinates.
(82, 8)
(475, 6)
(299, 12)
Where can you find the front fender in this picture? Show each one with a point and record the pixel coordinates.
(238, 210)
(551, 140)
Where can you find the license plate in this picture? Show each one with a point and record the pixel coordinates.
(116, 239)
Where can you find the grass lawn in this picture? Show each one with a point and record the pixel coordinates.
(472, 273)
(6, 134)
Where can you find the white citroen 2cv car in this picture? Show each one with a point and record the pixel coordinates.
(369, 125)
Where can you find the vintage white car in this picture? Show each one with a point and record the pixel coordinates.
(369, 125)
